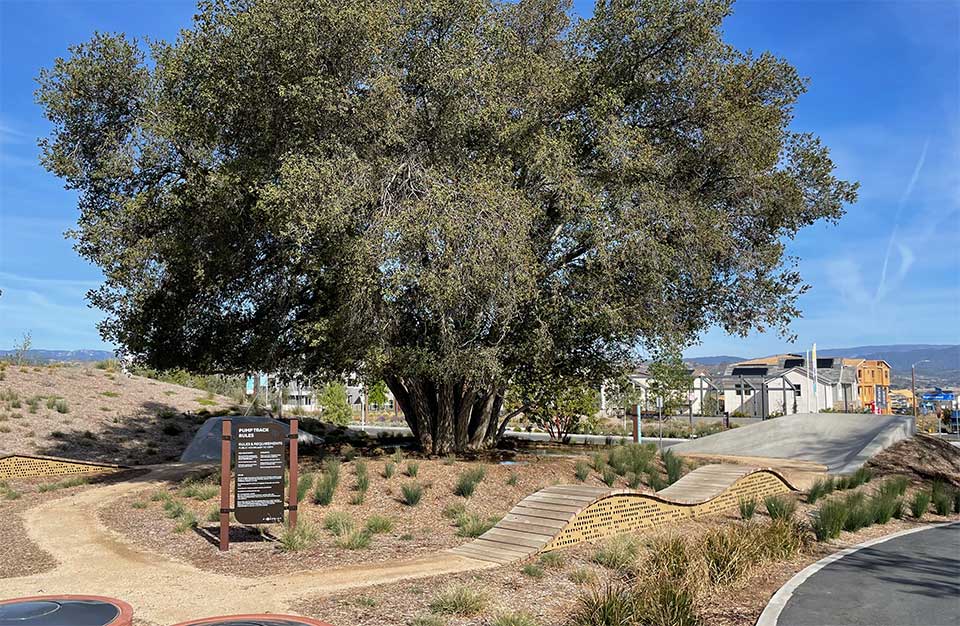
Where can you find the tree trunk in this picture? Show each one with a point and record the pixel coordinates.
(448, 416)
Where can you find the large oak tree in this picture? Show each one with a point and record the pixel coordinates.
(453, 195)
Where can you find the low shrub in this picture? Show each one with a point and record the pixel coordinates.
(582, 576)
(614, 604)
(472, 525)
(919, 503)
(634, 480)
(895, 485)
(304, 485)
(942, 499)
(514, 619)
(354, 540)
(883, 506)
(200, 491)
(780, 539)
(821, 487)
(454, 510)
(173, 508)
(389, 469)
(300, 537)
(412, 469)
(860, 477)
(581, 470)
(618, 553)
(609, 476)
(779, 507)
(748, 506)
(459, 600)
(468, 480)
(412, 493)
(513, 479)
(673, 465)
(598, 461)
(532, 570)
(669, 557)
(338, 522)
(553, 560)
(655, 481)
(325, 488)
(859, 512)
(728, 553)
(829, 519)
(379, 524)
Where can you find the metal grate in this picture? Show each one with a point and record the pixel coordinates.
(22, 466)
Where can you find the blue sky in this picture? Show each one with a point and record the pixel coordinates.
(884, 95)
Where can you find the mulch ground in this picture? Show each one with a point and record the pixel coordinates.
(417, 530)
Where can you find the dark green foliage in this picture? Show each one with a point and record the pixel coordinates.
(673, 466)
(919, 503)
(581, 470)
(884, 506)
(333, 402)
(609, 476)
(472, 525)
(412, 469)
(412, 493)
(468, 480)
(860, 513)
(780, 507)
(895, 485)
(655, 481)
(386, 191)
(821, 487)
(325, 487)
(829, 520)
(941, 495)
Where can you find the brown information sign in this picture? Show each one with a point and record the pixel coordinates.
(259, 472)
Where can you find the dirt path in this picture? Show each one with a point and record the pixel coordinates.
(94, 560)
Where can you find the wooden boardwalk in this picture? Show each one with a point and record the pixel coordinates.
(565, 514)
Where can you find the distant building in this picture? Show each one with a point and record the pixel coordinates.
(873, 379)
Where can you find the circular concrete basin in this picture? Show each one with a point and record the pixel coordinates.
(61, 610)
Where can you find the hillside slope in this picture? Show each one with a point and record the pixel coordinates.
(82, 412)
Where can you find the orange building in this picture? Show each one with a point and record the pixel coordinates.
(873, 381)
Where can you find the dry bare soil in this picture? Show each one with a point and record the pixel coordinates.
(81, 412)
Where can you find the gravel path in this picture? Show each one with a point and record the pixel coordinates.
(94, 560)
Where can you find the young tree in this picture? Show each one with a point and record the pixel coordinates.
(377, 394)
(558, 405)
(670, 380)
(22, 349)
(336, 406)
(434, 193)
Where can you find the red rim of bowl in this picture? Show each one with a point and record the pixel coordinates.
(125, 618)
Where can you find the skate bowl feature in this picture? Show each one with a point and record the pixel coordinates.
(26, 466)
(564, 515)
(62, 610)
(265, 619)
(842, 442)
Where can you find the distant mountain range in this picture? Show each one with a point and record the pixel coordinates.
(936, 363)
(60, 356)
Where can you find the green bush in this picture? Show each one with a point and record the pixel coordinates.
(895, 486)
(333, 402)
(883, 507)
(609, 476)
(378, 524)
(860, 514)
(389, 469)
(472, 525)
(61, 406)
(513, 479)
(859, 477)
(532, 570)
(582, 576)
(185, 521)
(748, 506)
(780, 539)
(454, 510)
(942, 498)
(553, 560)
(655, 481)
(459, 600)
(412, 493)
(300, 537)
(325, 488)
(468, 480)
(614, 604)
(673, 466)
(339, 523)
(354, 540)
(821, 487)
(728, 554)
(412, 469)
(581, 470)
(618, 553)
(779, 507)
(919, 503)
(304, 484)
(829, 519)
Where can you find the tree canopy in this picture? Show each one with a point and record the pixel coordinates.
(448, 194)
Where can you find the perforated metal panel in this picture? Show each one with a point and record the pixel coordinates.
(620, 513)
(22, 466)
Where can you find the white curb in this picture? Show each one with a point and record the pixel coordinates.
(771, 614)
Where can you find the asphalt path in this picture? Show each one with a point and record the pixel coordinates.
(912, 580)
(374, 431)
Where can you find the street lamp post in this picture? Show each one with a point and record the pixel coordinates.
(913, 384)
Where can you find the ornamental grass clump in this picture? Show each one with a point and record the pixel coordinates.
(459, 600)
(412, 493)
(324, 488)
(895, 486)
(821, 487)
(942, 498)
(748, 506)
(919, 503)
(618, 553)
(581, 470)
(779, 507)
(357, 539)
(673, 466)
(828, 521)
(728, 553)
(412, 469)
(338, 522)
(304, 485)
(472, 525)
(299, 537)
(389, 469)
(468, 480)
(379, 524)
(609, 476)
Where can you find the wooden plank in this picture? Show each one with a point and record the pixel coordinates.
(550, 506)
(516, 538)
(494, 545)
(561, 498)
(541, 512)
(478, 556)
(535, 529)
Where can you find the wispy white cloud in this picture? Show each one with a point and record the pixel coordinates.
(905, 253)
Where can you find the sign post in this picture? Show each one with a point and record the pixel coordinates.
(225, 434)
(259, 471)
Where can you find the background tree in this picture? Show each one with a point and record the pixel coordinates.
(558, 405)
(335, 404)
(670, 380)
(435, 192)
(377, 394)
